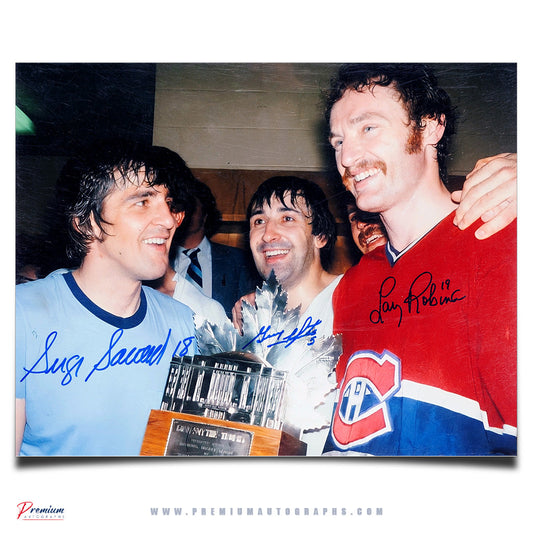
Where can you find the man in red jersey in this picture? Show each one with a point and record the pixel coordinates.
(429, 320)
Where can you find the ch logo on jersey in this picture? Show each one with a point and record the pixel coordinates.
(361, 413)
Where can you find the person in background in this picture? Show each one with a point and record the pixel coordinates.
(28, 259)
(366, 228)
(221, 272)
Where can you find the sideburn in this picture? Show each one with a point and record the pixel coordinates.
(414, 142)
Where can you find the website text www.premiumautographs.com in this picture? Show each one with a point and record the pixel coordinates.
(265, 511)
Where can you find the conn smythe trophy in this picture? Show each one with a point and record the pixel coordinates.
(249, 394)
(221, 404)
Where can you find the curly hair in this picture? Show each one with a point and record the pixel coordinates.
(417, 87)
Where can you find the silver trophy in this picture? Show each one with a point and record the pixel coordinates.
(232, 386)
(275, 336)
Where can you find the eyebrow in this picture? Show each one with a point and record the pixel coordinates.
(282, 209)
(142, 193)
(367, 115)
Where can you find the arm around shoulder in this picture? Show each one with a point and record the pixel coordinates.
(489, 194)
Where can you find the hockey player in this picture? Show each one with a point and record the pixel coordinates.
(429, 320)
(93, 346)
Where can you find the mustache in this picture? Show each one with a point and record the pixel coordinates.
(364, 164)
(371, 229)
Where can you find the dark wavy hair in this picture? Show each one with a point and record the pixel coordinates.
(87, 180)
(203, 197)
(322, 220)
(417, 87)
(213, 217)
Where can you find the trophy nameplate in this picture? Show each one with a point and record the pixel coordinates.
(194, 438)
(264, 441)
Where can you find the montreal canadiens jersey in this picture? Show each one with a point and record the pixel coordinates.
(429, 348)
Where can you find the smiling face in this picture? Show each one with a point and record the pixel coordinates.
(281, 240)
(139, 229)
(367, 235)
(377, 152)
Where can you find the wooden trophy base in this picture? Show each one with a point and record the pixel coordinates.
(179, 434)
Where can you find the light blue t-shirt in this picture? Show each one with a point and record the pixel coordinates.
(90, 378)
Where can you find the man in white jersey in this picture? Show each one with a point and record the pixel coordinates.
(293, 233)
(93, 345)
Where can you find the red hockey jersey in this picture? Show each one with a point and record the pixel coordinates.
(429, 348)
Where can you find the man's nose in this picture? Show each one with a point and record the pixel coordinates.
(351, 152)
(164, 216)
(271, 232)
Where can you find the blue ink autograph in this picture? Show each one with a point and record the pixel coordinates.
(308, 329)
(423, 292)
(71, 366)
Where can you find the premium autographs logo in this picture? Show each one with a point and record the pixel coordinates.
(28, 511)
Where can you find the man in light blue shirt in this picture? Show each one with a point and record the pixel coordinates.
(93, 345)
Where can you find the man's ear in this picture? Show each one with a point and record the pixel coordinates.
(178, 217)
(93, 229)
(434, 129)
(320, 241)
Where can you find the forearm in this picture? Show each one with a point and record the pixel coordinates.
(20, 423)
